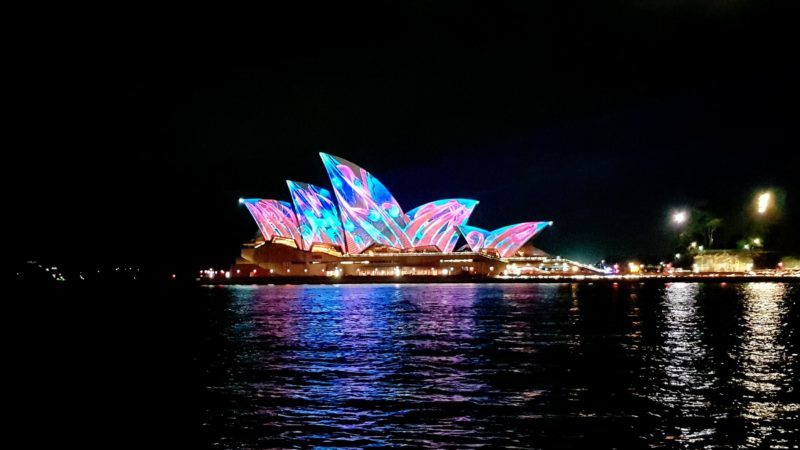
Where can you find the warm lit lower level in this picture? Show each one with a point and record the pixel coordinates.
(276, 259)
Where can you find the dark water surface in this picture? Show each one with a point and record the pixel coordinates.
(527, 366)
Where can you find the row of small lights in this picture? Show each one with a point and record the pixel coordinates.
(635, 271)
(58, 275)
(336, 272)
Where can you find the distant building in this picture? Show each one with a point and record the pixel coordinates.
(790, 263)
(729, 261)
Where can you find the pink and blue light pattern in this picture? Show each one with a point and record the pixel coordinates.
(370, 214)
(275, 219)
(317, 216)
(506, 241)
(435, 223)
(475, 237)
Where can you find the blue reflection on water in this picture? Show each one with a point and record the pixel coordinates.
(500, 365)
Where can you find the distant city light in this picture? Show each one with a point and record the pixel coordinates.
(757, 241)
(694, 244)
(764, 201)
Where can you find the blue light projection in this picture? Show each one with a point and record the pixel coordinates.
(274, 219)
(435, 223)
(317, 216)
(370, 214)
(506, 240)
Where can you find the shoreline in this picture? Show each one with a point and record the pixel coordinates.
(582, 279)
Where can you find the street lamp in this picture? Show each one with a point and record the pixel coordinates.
(680, 217)
(764, 201)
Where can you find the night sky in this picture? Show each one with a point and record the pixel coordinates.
(133, 145)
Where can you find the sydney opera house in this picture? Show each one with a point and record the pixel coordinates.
(358, 229)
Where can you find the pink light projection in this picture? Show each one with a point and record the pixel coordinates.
(317, 215)
(274, 219)
(506, 240)
(435, 223)
(475, 237)
(370, 214)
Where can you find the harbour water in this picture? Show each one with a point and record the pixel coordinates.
(681, 365)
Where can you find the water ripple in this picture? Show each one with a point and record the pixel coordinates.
(517, 366)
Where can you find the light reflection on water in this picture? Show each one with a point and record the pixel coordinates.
(684, 375)
(682, 353)
(766, 363)
(460, 365)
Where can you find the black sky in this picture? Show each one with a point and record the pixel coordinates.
(131, 144)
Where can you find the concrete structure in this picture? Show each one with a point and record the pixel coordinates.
(271, 259)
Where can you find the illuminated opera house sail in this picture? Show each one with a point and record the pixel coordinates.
(360, 217)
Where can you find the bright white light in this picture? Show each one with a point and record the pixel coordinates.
(241, 200)
(747, 246)
(680, 217)
(757, 241)
(677, 256)
(763, 202)
(694, 244)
